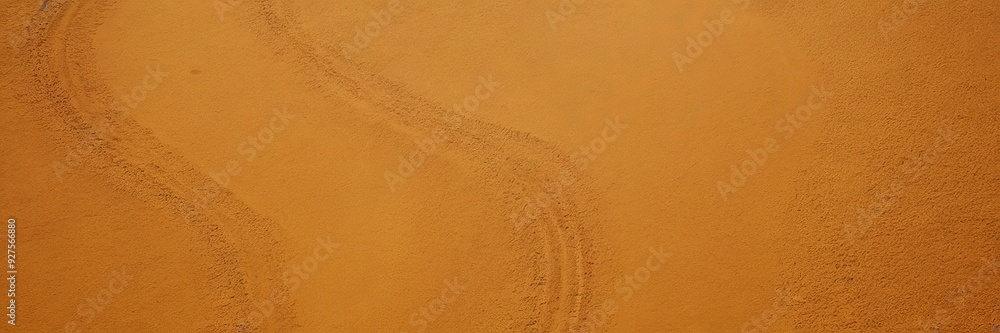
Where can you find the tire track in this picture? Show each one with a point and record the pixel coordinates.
(563, 230)
(241, 247)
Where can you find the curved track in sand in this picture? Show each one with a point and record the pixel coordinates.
(239, 245)
(144, 200)
(235, 246)
(515, 158)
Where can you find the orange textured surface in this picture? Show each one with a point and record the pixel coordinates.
(519, 166)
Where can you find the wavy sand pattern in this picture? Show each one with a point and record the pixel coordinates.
(556, 166)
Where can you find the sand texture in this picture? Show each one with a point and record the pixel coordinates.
(501, 166)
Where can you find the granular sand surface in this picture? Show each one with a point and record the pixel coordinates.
(519, 166)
